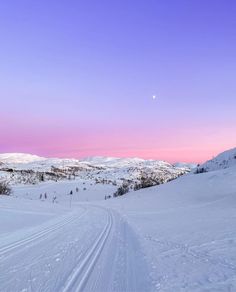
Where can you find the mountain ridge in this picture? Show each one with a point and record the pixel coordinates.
(223, 160)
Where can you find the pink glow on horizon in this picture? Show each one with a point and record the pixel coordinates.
(70, 90)
(46, 138)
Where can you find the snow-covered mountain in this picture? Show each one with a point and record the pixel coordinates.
(33, 162)
(185, 165)
(16, 158)
(223, 160)
(121, 162)
(26, 168)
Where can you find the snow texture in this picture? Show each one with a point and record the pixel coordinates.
(178, 236)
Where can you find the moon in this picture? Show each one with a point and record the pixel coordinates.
(154, 97)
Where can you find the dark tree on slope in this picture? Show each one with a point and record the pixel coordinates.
(146, 181)
(121, 190)
(5, 188)
(200, 170)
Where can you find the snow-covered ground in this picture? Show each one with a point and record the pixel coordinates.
(57, 248)
(187, 229)
(88, 249)
(221, 161)
(179, 236)
(88, 190)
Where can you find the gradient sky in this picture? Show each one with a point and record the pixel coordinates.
(77, 78)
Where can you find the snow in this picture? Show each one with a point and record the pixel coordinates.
(179, 236)
(90, 248)
(29, 161)
(221, 161)
(185, 165)
(108, 170)
(188, 232)
(87, 191)
(19, 158)
(116, 162)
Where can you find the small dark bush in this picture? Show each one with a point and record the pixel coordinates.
(200, 170)
(121, 190)
(5, 188)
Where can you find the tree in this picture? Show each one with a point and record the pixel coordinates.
(200, 170)
(42, 177)
(121, 190)
(5, 189)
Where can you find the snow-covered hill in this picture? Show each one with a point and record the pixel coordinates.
(222, 161)
(112, 161)
(123, 162)
(16, 158)
(28, 169)
(188, 230)
(34, 162)
(185, 165)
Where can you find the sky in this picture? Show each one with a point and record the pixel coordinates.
(77, 78)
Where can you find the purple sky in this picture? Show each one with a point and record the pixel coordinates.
(77, 78)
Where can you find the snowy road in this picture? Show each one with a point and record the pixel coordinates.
(89, 249)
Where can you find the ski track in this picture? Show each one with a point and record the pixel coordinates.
(80, 275)
(8, 250)
(91, 250)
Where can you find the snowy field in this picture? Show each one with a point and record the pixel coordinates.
(52, 248)
(87, 191)
(179, 236)
(188, 231)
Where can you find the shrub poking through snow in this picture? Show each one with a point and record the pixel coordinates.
(5, 188)
(122, 190)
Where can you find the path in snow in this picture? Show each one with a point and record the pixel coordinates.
(89, 249)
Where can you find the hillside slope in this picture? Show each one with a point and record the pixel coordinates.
(221, 161)
(187, 227)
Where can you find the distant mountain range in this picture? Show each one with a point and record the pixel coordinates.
(27, 168)
(34, 160)
(20, 168)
